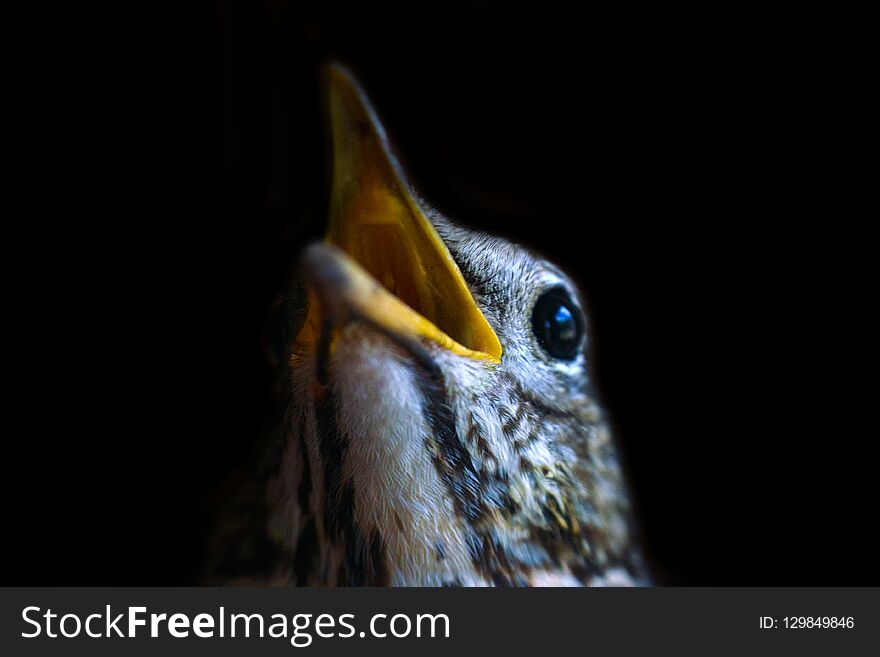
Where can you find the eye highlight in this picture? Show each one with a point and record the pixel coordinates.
(558, 324)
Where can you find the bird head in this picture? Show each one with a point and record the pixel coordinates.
(441, 427)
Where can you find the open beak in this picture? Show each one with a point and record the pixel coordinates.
(382, 261)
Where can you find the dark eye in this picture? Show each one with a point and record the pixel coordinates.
(558, 324)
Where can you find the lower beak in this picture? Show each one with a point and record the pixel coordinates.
(345, 292)
(382, 261)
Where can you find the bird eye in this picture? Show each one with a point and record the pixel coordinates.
(558, 324)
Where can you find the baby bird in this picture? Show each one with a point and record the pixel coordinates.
(441, 428)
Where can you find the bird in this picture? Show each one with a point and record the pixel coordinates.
(441, 426)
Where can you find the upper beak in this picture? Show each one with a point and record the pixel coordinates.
(385, 263)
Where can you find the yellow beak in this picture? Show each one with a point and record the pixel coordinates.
(389, 266)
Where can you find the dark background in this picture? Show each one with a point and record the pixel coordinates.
(170, 162)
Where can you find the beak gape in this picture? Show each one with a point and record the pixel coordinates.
(382, 261)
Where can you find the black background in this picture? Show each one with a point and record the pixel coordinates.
(170, 162)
